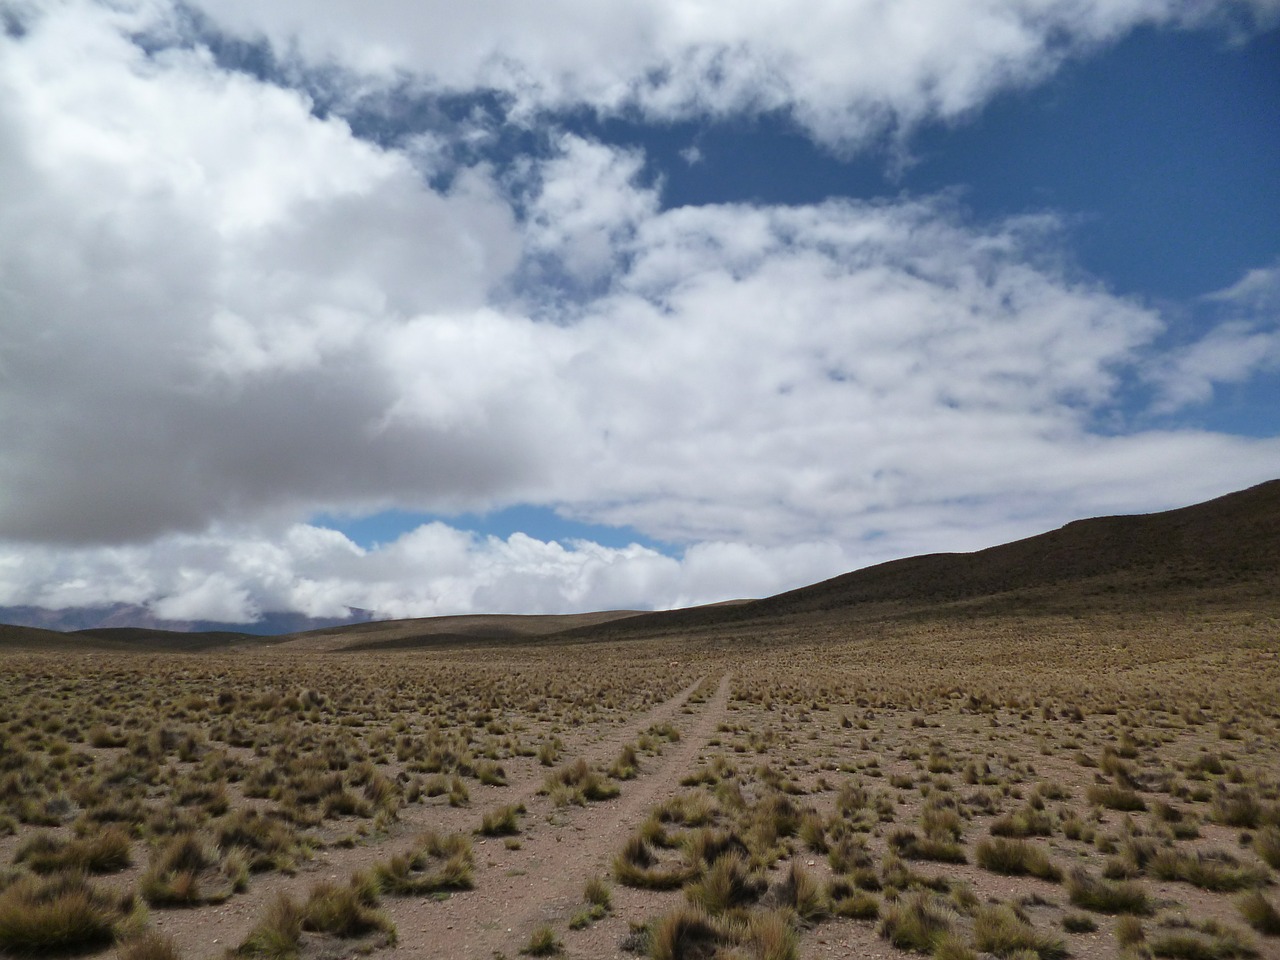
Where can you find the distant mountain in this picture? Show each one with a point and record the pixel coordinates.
(127, 615)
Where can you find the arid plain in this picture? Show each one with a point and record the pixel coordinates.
(1067, 746)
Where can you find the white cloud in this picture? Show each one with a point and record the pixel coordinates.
(234, 576)
(586, 206)
(1233, 351)
(1258, 290)
(848, 69)
(199, 277)
(219, 314)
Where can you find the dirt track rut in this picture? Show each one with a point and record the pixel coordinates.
(542, 882)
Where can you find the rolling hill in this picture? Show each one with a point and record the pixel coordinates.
(1223, 552)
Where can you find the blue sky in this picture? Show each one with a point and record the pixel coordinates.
(432, 311)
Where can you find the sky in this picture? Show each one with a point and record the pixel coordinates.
(424, 308)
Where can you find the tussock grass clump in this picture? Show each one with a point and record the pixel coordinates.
(850, 853)
(1027, 821)
(639, 866)
(627, 764)
(1260, 913)
(549, 751)
(105, 852)
(689, 933)
(917, 922)
(1237, 808)
(268, 842)
(1129, 931)
(151, 945)
(1002, 930)
(1115, 797)
(60, 913)
(1266, 844)
(1104, 896)
(684, 933)
(1079, 923)
(693, 809)
(801, 892)
(502, 822)
(1016, 858)
(436, 862)
(813, 832)
(598, 901)
(850, 902)
(543, 942)
(1214, 870)
(190, 871)
(277, 934)
(346, 912)
(939, 847)
(727, 883)
(771, 937)
(896, 875)
(578, 784)
(490, 774)
(1183, 939)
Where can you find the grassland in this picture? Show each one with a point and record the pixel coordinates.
(1079, 772)
(1061, 785)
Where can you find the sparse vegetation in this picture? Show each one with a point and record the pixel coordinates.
(836, 786)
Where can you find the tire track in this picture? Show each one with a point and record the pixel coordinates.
(516, 894)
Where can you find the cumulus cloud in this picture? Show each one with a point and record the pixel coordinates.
(236, 575)
(199, 280)
(221, 313)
